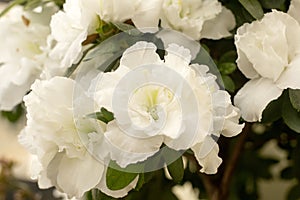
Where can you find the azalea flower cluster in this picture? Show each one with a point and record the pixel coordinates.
(150, 100)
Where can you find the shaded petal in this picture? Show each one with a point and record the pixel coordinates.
(294, 10)
(290, 76)
(141, 53)
(254, 97)
(126, 149)
(219, 26)
(244, 65)
(209, 161)
(116, 193)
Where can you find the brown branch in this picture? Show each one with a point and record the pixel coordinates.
(222, 191)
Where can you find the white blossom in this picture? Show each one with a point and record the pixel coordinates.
(21, 58)
(152, 105)
(59, 138)
(198, 18)
(269, 55)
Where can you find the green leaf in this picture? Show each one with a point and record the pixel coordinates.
(104, 115)
(253, 7)
(290, 115)
(228, 83)
(273, 111)
(176, 170)
(227, 68)
(295, 98)
(116, 178)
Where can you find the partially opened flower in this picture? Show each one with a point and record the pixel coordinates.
(167, 102)
(269, 55)
(58, 137)
(198, 19)
(21, 58)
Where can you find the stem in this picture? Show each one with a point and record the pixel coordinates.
(222, 191)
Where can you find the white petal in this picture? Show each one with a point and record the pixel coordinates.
(294, 10)
(254, 96)
(117, 11)
(178, 58)
(76, 176)
(116, 193)
(127, 149)
(211, 161)
(290, 76)
(139, 54)
(220, 26)
(147, 14)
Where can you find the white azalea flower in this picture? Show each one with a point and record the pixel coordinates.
(144, 14)
(156, 112)
(21, 58)
(69, 28)
(59, 144)
(198, 18)
(269, 55)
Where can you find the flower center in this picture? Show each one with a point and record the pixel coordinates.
(153, 113)
(147, 104)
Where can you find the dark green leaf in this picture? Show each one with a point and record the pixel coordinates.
(273, 111)
(104, 115)
(295, 98)
(290, 115)
(253, 7)
(227, 68)
(117, 178)
(228, 83)
(176, 170)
